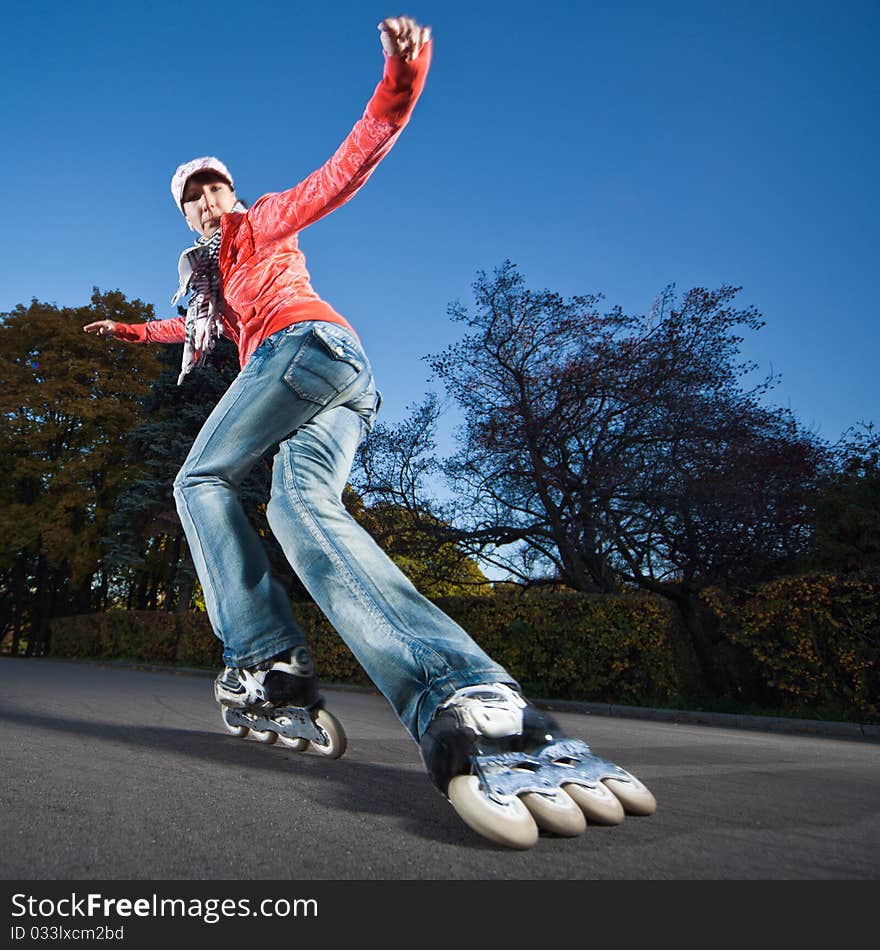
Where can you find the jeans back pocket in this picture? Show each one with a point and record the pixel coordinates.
(325, 365)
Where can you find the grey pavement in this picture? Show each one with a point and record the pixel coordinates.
(126, 774)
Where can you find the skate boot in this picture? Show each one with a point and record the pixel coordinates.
(508, 769)
(279, 699)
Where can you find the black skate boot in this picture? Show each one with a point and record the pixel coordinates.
(508, 769)
(279, 699)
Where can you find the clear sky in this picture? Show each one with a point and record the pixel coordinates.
(603, 147)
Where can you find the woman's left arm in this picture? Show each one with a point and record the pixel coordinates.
(408, 56)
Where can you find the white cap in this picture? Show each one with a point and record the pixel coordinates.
(184, 172)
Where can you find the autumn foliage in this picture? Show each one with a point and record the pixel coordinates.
(814, 639)
(66, 407)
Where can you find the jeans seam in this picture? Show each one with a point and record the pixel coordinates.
(183, 500)
(210, 572)
(181, 492)
(355, 585)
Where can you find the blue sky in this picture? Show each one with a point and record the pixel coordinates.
(603, 147)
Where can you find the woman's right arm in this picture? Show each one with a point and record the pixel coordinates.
(156, 331)
(407, 47)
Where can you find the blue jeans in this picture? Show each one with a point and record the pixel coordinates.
(309, 390)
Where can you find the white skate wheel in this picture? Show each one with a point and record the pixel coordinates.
(509, 823)
(333, 742)
(266, 736)
(633, 795)
(599, 805)
(555, 812)
(238, 731)
(298, 745)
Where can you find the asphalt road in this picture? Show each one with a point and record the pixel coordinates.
(120, 774)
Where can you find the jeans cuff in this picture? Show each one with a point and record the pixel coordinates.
(285, 640)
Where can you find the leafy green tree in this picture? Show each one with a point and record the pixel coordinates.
(437, 569)
(846, 535)
(603, 450)
(66, 405)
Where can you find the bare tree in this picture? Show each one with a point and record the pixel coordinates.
(604, 450)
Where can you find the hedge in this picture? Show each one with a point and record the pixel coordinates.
(623, 649)
(814, 640)
(618, 649)
(813, 643)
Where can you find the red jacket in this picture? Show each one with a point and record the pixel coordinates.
(266, 285)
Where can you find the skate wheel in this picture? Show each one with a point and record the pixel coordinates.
(298, 745)
(238, 731)
(509, 823)
(333, 741)
(555, 812)
(266, 736)
(634, 796)
(599, 805)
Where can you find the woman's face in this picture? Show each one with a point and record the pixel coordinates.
(206, 197)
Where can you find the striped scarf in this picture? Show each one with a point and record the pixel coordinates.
(199, 274)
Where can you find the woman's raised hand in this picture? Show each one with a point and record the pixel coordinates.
(402, 36)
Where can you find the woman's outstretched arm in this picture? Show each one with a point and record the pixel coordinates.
(407, 47)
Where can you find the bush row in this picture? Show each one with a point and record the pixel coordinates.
(625, 649)
(813, 643)
(814, 640)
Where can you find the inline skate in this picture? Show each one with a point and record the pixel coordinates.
(509, 770)
(279, 700)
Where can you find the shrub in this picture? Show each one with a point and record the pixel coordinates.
(563, 645)
(815, 639)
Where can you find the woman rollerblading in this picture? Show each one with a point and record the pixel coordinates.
(306, 391)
